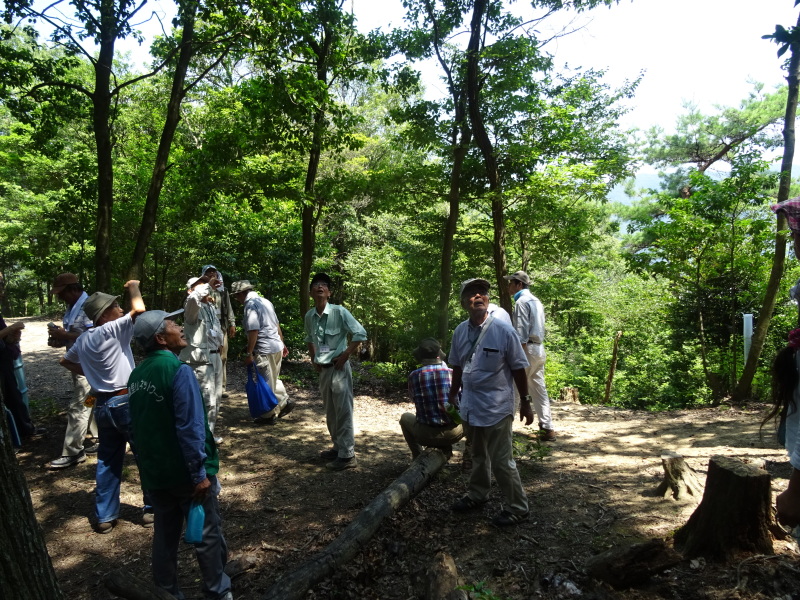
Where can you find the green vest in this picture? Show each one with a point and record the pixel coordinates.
(158, 453)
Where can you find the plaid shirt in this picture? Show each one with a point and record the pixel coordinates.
(429, 386)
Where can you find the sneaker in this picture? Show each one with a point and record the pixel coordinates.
(67, 461)
(225, 395)
(106, 527)
(148, 518)
(287, 409)
(340, 464)
(329, 454)
(91, 447)
(218, 440)
(547, 435)
(506, 519)
(266, 420)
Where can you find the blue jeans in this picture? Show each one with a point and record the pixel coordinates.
(170, 508)
(113, 417)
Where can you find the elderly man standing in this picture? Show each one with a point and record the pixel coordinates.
(487, 359)
(70, 291)
(265, 345)
(204, 340)
(529, 325)
(327, 327)
(178, 459)
(222, 305)
(429, 387)
(103, 354)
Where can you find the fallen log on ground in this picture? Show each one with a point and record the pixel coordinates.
(734, 514)
(294, 585)
(128, 586)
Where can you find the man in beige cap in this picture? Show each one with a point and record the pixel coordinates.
(68, 289)
(529, 324)
(265, 347)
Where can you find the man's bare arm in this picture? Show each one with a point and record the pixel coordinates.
(71, 366)
(137, 303)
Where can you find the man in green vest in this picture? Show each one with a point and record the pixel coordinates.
(177, 455)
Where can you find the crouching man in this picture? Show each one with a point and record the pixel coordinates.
(429, 387)
(178, 459)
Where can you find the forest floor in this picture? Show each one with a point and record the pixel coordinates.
(592, 492)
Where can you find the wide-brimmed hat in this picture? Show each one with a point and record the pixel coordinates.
(241, 286)
(62, 281)
(323, 277)
(148, 324)
(520, 276)
(475, 282)
(429, 349)
(96, 305)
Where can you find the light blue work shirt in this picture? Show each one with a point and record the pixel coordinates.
(328, 332)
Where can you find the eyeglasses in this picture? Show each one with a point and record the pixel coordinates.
(319, 284)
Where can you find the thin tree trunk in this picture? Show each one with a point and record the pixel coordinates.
(612, 369)
(742, 390)
(136, 270)
(101, 117)
(26, 572)
(487, 151)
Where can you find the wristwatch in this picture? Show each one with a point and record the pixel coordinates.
(527, 399)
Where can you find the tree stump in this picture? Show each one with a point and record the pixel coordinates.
(436, 580)
(734, 514)
(679, 478)
(632, 565)
(569, 395)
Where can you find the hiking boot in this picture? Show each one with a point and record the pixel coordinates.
(91, 447)
(340, 464)
(547, 435)
(106, 527)
(466, 503)
(287, 409)
(67, 461)
(329, 454)
(148, 518)
(506, 519)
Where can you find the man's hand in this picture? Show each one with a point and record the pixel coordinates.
(285, 351)
(341, 361)
(232, 331)
(201, 490)
(248, 360)
(525, 412)
(131, 283)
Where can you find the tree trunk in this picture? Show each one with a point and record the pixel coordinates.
(187, 15)
(742, 390)
(26, 572)
(679, 478)
(295, 585)
(487, 151)
(612, 368)
(734, 514)
(101, 119)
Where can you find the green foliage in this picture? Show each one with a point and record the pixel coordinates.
(479, 591)
(530, 447)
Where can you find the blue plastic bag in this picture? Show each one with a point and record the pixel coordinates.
(194, 524)
(260, 397)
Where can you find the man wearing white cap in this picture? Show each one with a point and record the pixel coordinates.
(103, 354)
(204, 339)
(529, 325)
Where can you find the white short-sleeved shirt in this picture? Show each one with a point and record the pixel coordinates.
(488, 387)
(75, 320)
(259, 315)
(105, 354)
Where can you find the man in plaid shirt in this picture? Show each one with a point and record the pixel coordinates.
(429, 387)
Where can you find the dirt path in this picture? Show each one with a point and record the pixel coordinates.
(594, 491)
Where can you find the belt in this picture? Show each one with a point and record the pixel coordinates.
(213, 351)
(107, 395)
(327, 366)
